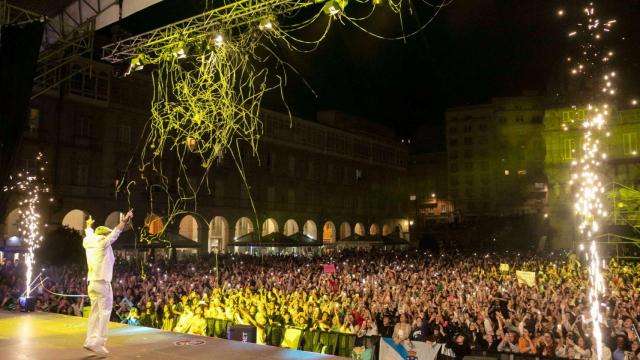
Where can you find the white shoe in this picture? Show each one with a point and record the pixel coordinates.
(101, 350)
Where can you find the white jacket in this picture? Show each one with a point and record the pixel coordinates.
(100, 257)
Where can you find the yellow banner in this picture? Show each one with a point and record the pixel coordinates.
(291, 338)
(504, 267)
(526, 277)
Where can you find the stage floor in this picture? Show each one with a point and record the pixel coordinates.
(52, 336)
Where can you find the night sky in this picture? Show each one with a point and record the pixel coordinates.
(472, 51)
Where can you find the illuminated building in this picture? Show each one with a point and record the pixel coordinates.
(622, 165)
(495, 157)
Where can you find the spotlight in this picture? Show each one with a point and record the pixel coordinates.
(192, 144)
(266, 24)
(137, 64)
(180, 51)
(216, 39)
(335, 7)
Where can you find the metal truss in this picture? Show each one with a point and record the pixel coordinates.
(74, 18)
(621, 245)
(53, 65)
(10, 14)
(222, 19)
(102, 13)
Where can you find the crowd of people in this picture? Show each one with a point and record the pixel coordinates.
(468, 301)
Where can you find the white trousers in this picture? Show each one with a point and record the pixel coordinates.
(101, 297)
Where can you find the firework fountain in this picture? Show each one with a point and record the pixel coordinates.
(592, 63)
(32, 185)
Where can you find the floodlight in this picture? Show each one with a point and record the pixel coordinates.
(266, 24)
(180, 51)
(335, 7)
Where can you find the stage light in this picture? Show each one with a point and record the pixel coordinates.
(137, 64)
(335, 7)
(180, 51)
(217, 39)
(266, 24)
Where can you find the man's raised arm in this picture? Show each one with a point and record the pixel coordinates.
(120, 228)
(88, 230)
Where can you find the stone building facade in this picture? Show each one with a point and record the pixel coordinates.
(327, 178)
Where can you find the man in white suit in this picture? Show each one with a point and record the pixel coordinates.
(100, 259)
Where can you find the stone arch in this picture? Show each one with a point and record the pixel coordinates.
(269, 226)
(290, 227)
(12, 223)
(386, 230)
(358, 229)
(310, 229)
(75, 219)
(329, 232)
(243, 227)
(345, 230)
(154, 224)
(374, 229)
(218, 234)
(113, 219)
(189, 227)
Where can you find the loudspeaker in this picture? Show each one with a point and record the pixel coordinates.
(27, 304)
(244, 333)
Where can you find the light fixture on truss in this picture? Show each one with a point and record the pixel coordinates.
(335, 7)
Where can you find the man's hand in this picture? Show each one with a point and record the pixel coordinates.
(89, 222)
(128, 216)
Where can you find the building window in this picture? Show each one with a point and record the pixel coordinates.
(483, 140)
(219, 189)
(271, 162)
(468, 166)
(468, 153)
(569, 148)
(291, 197)
(124, 134)
(453, 155)
(573, 115)
(82, 174)
(453, 130)
(453, 142)
(519, 119)
(506, 172)
(522, 172)
(345, 175)
(468, 141)
(358, 174)
(271, 194)
(84, 127)
(310, 169)
(330, 172)
(244, 195)
(292, 166)
(34, 121)
(630, 143)
(31, 166)
(88, 84)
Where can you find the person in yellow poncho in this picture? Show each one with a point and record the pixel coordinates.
(167, 319)
(197, 325)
